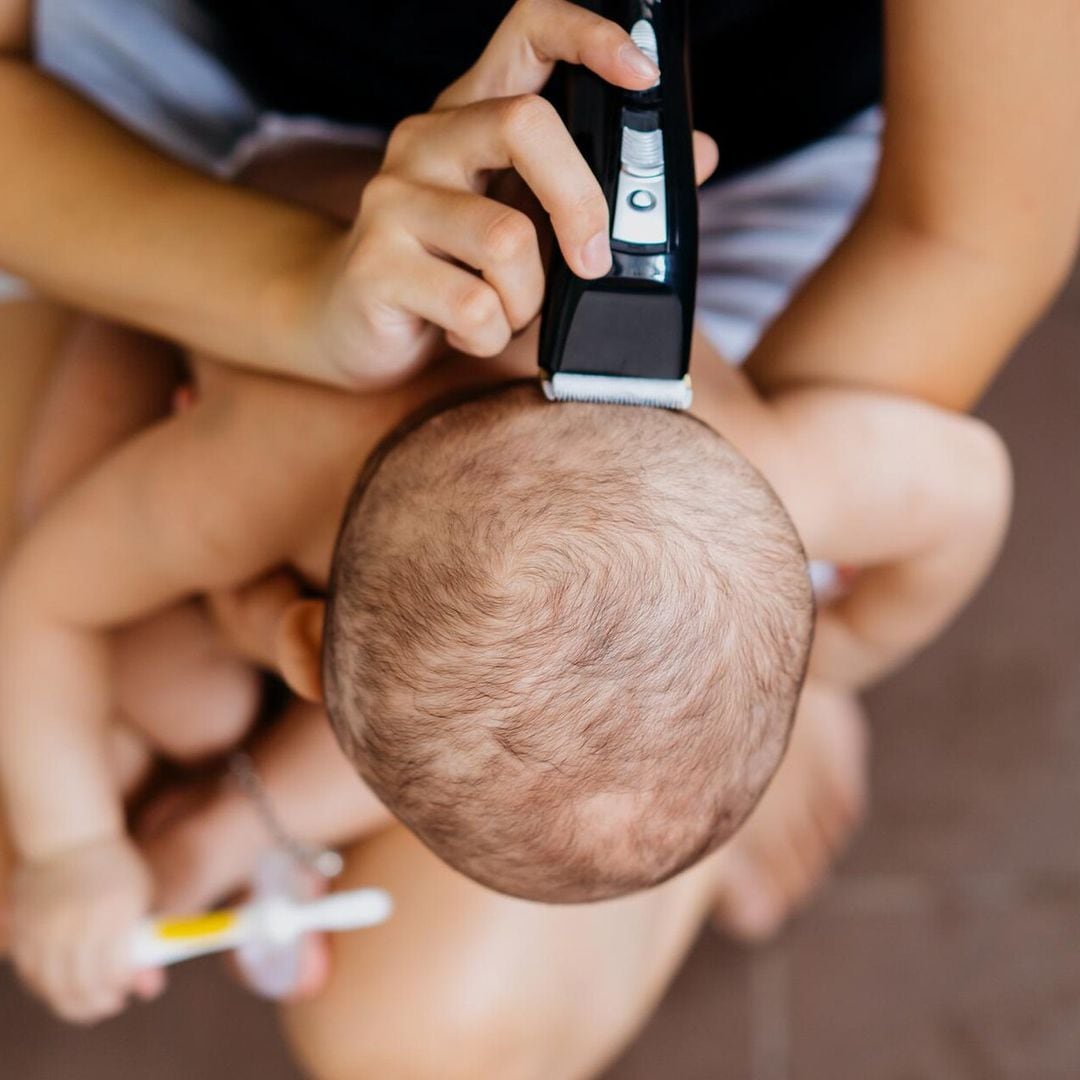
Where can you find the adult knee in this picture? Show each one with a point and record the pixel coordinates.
(436, 1033)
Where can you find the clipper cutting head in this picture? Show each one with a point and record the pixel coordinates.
(619, 390)
(625, 338)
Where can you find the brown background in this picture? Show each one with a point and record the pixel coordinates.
(948, 946)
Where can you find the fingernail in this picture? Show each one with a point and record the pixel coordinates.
(638, 62)
(596, 254)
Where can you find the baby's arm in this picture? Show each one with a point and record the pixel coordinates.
(972, 224)
(915, 498)
(203, 843)
(178, 689)
(141, 531)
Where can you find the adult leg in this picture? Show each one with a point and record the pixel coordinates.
(464, 982)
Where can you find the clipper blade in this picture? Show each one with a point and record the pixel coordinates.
(618, 390)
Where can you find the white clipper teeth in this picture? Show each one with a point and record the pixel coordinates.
(619, 390)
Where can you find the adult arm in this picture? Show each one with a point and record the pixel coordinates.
(972, 223)
(96, 217)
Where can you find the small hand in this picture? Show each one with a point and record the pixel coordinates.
(72, 917)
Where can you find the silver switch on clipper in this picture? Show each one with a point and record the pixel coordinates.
(624, 338)
(640, 203)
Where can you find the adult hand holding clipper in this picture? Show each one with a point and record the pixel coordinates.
(625, 339)
(431, 252)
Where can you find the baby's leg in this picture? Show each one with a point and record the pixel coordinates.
(178, 696)
(465, 982)
(181, 689)
(805, 819)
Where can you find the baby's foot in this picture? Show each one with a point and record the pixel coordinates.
(809, 812)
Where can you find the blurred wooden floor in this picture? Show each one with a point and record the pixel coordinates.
(948, 946)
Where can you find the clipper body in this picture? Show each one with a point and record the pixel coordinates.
(625, 338)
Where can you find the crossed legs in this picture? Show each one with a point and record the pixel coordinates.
(464, 982)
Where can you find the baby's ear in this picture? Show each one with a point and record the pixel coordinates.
(299, 648)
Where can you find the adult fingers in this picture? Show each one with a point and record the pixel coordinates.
(706, 156)
(524, 133)
(414, 281)
(537, 33)
(497, 240)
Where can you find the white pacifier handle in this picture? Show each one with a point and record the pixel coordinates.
(159, 942)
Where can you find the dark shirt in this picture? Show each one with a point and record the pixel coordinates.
(768, 76)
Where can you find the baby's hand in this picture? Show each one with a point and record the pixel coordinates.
(72, 918)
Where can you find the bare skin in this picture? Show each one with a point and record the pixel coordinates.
(265, 282)
(973, 221)
(969, 231)
(77, 388)
(282, 463)
(986, 352)
(104, 383)
(31, 332)
(464, 982)
(778, 860)
(304, 448)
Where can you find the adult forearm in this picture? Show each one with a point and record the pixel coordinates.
(94, 216)
(902, 309)
(975, 215)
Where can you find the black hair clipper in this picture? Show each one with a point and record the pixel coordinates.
(625, 338)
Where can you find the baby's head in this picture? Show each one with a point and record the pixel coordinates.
(564, 642)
